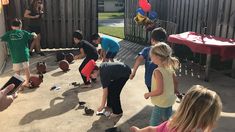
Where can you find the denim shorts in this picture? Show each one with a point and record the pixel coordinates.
(160, 115)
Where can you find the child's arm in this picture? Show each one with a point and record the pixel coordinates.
(175, 81)
(138, 61)
(81, 55)
(104, 99)
(159, 82)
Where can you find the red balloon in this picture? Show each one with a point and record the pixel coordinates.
(146, 7)
(142, 3)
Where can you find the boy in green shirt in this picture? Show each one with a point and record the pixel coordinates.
(17, 42)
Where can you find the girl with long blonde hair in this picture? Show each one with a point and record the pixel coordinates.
(199, 110)
(164, 83)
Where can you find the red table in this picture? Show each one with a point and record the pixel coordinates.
(207, 44)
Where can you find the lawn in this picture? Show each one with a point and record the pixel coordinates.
(112, 31)
(113, 15)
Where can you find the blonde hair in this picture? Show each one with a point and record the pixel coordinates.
(199, 109)
(165, 52)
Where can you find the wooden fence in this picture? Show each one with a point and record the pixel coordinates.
(218, 16)
(61, 18)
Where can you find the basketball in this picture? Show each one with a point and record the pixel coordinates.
(35, 81)
(41, 67)
(60, 56)
(70, 57)
(64, 65)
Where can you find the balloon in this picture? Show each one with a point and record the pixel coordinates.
(142, 3)
(152, 15)
(140, 11)
(146, 7)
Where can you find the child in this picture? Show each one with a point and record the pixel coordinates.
(189, 117)
(112, 84)
(164, 84)
(157, 35)
(17, 42)
(109, 46)
(88, 51)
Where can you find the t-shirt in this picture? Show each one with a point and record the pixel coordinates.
(34, 22)
(167, 98)
(109, 45)
(88, 48)
(17, 42)
(110, 71)
(164, 128)
(149, 66)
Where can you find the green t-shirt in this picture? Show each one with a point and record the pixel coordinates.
(17, 42)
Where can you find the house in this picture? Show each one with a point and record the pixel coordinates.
(111, 5)
(3, 51)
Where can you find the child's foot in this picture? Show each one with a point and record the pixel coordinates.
(26, 85)
(134, 129)
(85, 86)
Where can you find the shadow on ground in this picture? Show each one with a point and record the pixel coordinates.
(69, 101)
(104, 124)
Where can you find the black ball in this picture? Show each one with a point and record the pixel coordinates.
(60, 56)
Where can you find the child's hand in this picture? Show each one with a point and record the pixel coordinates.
(132, 75)
(34, 35)
(76, 57)
(100, 108)
(146, 95)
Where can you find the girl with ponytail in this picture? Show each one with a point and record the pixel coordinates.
(164, 83)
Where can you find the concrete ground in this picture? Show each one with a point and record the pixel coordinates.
(42, 110)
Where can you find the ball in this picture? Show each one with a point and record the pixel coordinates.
(35, 81)
(41, 67)
(70, 57)
(64, 65)
(60, 56)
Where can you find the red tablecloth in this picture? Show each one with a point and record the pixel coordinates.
(205, 44)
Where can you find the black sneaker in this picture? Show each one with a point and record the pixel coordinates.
(41, 53)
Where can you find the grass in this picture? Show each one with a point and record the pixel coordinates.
(113, 15)
(112, 31)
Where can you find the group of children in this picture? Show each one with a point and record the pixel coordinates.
(160, 79)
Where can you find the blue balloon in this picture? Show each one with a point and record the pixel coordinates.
(152, 15)
(141, 11)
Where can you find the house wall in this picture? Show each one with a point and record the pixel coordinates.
(3, 53)
(111, 6)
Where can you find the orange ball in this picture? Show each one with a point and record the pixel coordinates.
(35, 81)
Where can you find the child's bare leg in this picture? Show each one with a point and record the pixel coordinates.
(17, 72)
(27, 76)
(38, 43)
(146, 129)
(33, 45)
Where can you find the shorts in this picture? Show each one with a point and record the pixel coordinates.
(36, 29)
(111, 55)
(20, 66)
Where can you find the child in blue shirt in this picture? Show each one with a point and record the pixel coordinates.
(157, 35)
(109, 46)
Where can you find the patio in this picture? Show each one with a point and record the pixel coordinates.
(55, 111)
